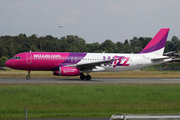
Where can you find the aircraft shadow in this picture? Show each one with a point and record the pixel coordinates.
(76, 79)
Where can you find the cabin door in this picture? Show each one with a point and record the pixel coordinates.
(29, 58)
(139, 61)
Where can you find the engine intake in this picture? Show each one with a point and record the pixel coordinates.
(67, 71)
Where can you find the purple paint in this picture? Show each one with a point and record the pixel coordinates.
(73, 58)
(158, 42)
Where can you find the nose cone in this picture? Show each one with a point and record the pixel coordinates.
(7, 63)
(12, 64)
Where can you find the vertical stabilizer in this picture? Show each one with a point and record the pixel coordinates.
(157, 44)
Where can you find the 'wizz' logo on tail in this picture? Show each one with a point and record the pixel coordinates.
(121, 61)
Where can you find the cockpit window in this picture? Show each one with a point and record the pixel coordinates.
(16, 57)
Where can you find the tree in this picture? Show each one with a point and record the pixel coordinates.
(134, 41)
(174, 44)
(108, 46)
(11, 45)
(167, 49)
(126, 42)
(119, 48)
(94, 47)
(144, 41)
(136, 44)
(3, 59)
(73, 49)
(63, 45)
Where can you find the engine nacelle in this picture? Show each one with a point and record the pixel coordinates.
(67, 71)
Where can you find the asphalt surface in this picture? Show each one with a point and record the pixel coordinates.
(93, 81)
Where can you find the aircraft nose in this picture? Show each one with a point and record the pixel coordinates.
(8, 63)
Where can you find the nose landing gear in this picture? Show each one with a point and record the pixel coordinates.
(28, 77)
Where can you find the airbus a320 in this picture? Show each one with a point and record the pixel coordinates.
(82, 64)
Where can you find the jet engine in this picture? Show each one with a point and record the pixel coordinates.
(67, 71)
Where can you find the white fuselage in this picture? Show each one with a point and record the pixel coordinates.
(125, 61)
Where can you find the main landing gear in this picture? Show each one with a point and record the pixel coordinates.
(83, 77)
(28, 77)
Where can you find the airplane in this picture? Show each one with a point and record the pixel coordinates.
(74, 64)
(60, 26)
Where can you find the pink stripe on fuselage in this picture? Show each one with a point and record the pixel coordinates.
(39, 60)
(48, 60)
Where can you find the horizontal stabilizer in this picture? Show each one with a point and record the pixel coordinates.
(170, 53)
(160, 57)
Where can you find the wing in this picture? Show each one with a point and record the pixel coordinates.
(91, 65)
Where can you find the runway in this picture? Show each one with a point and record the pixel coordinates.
(93, 81)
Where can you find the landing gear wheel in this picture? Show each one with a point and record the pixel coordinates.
(28, 77)
(88, 77)
(82, 77)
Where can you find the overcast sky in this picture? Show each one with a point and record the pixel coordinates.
(93, 20)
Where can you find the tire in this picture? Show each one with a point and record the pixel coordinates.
(88, 77)
(82, 77)
(28, 77)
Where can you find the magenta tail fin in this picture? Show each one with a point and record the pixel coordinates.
(157, 44)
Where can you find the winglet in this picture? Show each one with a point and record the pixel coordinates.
(157, 44)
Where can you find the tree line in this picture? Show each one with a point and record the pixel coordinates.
(12, 45)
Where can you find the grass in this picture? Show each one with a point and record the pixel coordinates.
(86, 101)
(123, 74)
